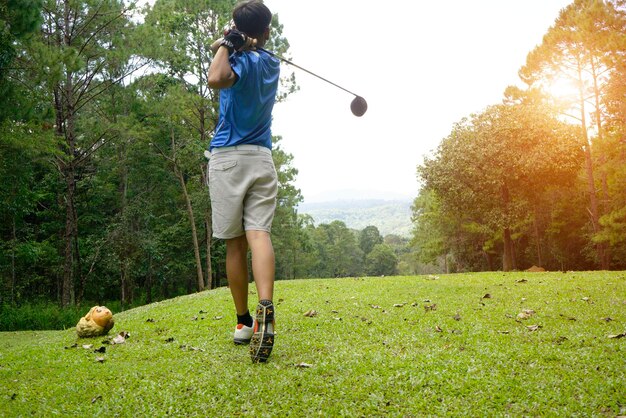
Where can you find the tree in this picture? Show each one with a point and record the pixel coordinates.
(369, 237)
(381, 261)
(18, 20)
(336, 251)
(581, 47)
(487, 171)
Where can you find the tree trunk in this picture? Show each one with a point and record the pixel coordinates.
(209, 232)
(507, 259)
(537, 238)
(194, 234)
(13, 274)
(593, 198)
(149, 280)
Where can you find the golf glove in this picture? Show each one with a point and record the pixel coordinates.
(235, 40)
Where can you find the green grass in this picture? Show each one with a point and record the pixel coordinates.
(366, 357)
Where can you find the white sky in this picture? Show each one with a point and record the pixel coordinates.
(421, 66)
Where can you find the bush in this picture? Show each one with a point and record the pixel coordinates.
(37, 316)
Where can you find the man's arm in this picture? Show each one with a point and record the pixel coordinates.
(221, 75)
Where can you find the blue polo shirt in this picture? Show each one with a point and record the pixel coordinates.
(246, 107)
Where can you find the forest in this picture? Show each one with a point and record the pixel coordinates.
(106, 114)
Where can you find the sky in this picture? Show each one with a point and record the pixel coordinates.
(421, 65)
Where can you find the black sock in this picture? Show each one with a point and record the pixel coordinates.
(245, 319)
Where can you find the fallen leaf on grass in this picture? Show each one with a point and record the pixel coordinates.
(97, 398)
(525, 314)
(194, 318)
(310, 313)
(616, 336)
(560, 340)
(569, 318)
(438, 329)
(431, 277)
(87, 346)
(119, 339)
(432, 307)
(504, 332)
(217, 318)
(102, 349)
(190, 348)
(304, 365)
(607, 319)
(71, 346)
(457, 317)
(521, 281)
(533, 327)
(487, 296)
(150, 320)
(399, 305)
(169, 340)
(100, 359)
(375, 307)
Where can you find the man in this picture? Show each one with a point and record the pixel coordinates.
(242, 176)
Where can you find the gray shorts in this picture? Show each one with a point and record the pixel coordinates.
(243, 186)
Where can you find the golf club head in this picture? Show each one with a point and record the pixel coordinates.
(358, 106)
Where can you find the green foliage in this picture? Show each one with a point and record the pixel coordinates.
(369, 237)
(381, 261)
(374, 346)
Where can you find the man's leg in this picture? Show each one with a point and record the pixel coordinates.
(237, 272)
(263, 262)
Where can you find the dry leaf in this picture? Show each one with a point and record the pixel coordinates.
(304, 365)
(521, 281)
(622, 335)
(487, 296)
(310, 313)
(570, 318)
(398, 305)
(217, 318)
(194, 318)
(504, 332)
(100, 359)
(375, 307)
(97, 398)
(87, 346)
(533, 327)
(150, 320)
(119, 339)
(457, 317)
(607, 319)
(432, 307)
(525, 314)
(438, 329)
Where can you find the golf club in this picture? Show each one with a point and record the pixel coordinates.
(358, 106)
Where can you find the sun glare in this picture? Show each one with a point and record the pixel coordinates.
(561, 89)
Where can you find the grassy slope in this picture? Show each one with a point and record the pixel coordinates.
(372, 361)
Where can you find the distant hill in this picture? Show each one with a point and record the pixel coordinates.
(389, 216)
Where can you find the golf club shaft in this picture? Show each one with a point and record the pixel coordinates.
(305, 70)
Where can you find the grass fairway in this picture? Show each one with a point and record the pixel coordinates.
(451, 345)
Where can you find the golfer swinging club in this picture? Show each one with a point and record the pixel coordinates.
(242, 177)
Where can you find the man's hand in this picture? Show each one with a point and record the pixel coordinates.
(235, 40)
